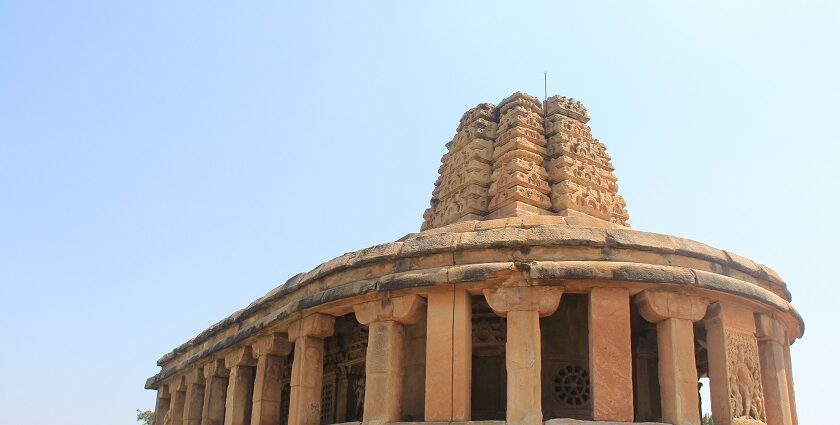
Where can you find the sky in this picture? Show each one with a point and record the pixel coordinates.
(165, 163)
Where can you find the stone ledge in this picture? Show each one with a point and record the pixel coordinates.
(541, 270)
(518, 232)
(501, 234)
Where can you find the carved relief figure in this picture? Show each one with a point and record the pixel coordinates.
(746, 399)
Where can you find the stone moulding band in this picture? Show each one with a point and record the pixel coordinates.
(489, 274)
(493, 234)
(514, 239)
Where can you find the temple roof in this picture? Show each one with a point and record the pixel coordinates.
(525, 157)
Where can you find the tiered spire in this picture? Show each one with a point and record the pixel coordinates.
(524, 158)
(581, 173)
(519, 180)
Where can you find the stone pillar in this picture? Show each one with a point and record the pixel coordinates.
(610, 356)
(270, 352)
(240, 362)
(647, 407)
(177, 397)
(195, 397)
(385, 319)
(341, 388)
(674, 315)
(308, 367)
(774, 380)
(789, 370)
(523, 306)
(215, 390)
(734, 371)
(448, 355)
(161, 405)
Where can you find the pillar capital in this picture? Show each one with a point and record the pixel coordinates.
(274, 344)
(316, 325)
(769, 328)
(178, 383)
(542, 299)
(404, 309)
(731, 317)
(656, 306)
(241, 356)
(194, 377)
(215, 367)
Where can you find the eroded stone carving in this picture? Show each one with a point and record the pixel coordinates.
(525, 157)
(746, 399)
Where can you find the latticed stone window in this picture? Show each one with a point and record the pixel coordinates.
(571, 385)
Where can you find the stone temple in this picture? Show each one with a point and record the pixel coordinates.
(525, 298)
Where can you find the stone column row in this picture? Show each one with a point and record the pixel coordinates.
(747, 354)
(749, 370)
(224, 391)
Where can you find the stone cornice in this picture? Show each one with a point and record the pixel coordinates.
(481, 251)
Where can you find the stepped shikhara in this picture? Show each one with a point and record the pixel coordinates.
(523, 158)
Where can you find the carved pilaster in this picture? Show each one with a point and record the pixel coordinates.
(734, 366)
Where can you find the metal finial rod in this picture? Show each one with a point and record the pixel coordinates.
(545, 94)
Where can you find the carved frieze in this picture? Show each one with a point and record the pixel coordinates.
(604, 205)
(524, 157)
(519, 172)
(583, 173)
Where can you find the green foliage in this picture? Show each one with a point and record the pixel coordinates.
(144, 416)
(707, 419)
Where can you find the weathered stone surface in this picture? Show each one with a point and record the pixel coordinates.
(775, 380)
(621, 238)
(449, 349)
(656, 306)
(526, 208)
(615, 270)
(728, 284)
(427, 244)
(502, 237)
(610, 359)
(565, 235)
(734, 366)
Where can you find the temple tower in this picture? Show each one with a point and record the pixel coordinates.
(525, 157)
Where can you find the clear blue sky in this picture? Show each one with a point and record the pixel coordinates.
(163, 164)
